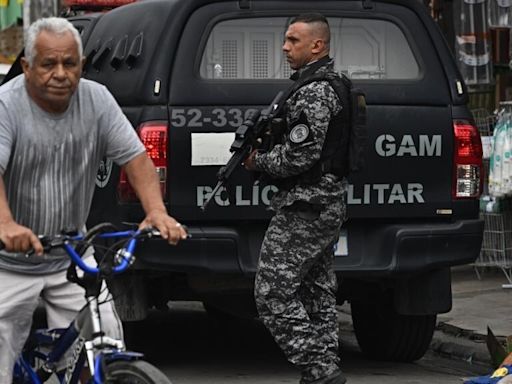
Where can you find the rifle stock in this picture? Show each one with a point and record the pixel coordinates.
(246, 137)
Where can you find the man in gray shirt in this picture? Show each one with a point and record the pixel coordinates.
(54, 130)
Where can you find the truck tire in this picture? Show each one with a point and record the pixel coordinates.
(384, 334)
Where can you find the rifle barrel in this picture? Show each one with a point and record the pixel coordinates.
(214, 192)
(274, 103)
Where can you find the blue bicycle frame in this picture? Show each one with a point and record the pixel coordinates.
(84, 332)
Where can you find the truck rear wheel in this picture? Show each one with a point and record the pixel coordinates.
(384, 334)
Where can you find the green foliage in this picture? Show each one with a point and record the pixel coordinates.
(498, 350)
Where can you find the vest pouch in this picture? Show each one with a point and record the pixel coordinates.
(359, 132)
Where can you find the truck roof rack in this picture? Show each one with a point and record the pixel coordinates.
(244, 4)
(368, 4)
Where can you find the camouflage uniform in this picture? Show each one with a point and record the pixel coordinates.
(295, 285)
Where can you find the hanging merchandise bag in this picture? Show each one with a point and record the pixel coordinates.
(507, 158)
(506, 166)
(496, 161)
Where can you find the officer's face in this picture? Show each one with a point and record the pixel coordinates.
(299, 45)
(54, 75)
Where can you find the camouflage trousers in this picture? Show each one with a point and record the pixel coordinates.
(295, 287)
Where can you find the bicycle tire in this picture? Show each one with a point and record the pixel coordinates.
(134, 372)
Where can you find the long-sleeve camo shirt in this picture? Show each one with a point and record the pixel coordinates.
(314, 105)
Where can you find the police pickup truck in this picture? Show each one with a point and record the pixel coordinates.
(188, 72)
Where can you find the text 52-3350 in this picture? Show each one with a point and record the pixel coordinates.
(217, 117)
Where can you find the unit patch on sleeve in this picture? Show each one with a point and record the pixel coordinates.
(299, 133)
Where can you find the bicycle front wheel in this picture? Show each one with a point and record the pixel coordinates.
(134, 372)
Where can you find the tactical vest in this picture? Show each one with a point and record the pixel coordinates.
(345, 143)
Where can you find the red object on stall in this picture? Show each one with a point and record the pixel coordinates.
(95, 4)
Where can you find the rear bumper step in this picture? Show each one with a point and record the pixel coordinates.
(378, 249)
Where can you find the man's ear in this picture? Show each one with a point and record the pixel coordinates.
(25, 66)
(318, 46)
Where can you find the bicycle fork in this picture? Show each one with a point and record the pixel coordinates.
(98, 341)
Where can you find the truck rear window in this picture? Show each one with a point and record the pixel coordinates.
(362, 49)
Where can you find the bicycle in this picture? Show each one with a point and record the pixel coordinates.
(107, 359)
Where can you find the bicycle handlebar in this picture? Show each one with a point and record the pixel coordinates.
(124, 255)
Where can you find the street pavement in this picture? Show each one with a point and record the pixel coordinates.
(193, 347)
(209, 350)
(480, 300)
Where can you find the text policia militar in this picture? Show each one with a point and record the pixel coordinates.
(242, 195)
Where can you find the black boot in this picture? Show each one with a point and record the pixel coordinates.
(334, 378)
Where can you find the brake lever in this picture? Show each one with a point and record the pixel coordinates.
(48, 243)
(149, 232)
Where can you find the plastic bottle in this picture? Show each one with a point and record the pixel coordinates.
(499, 13)
(472, 45)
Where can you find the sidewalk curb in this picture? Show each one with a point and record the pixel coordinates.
(461, 344)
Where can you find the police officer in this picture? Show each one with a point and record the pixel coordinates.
(295, 284)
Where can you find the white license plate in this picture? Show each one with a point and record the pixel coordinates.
(210, 148)
(341, 247)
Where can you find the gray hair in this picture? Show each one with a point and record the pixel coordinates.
(57, 25)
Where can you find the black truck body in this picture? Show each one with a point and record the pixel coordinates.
(187, 72)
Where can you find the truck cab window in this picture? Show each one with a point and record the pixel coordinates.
(362, 49)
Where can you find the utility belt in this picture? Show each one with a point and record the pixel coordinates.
(305, 210)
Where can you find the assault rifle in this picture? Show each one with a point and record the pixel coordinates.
(247, 136)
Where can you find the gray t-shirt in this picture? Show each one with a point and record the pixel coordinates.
(49, 162)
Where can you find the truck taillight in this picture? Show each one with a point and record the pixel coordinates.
(467, 160)
(154, 137)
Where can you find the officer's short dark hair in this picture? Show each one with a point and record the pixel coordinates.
(315, 18)
(310, 18)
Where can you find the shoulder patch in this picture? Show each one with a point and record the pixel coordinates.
(299, 133)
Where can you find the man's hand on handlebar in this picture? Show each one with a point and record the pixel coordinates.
(17, 238)
(169, 228)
